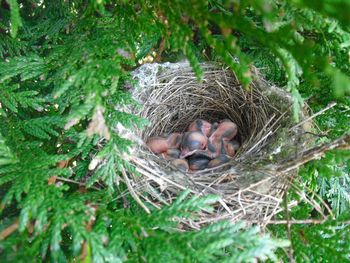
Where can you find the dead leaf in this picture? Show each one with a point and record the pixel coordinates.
(52, 180)
(71, 123)
(9, 230)
(62, 164)
(98, 124)
(93, 164)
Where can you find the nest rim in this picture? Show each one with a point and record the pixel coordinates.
(264, 110)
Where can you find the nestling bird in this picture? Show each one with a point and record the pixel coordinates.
(218, 161)
(225, 132)
(160, 144)
(198, 162)
(205, 145)
(181, 164)
(202, 126)
(192, 142)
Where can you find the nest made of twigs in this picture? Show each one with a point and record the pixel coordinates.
(250, 186)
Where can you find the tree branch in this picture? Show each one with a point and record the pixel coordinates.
(160, 50)
(317, 152)
(295, 222)
(9, 230)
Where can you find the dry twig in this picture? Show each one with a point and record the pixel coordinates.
(317, 152)
(9, 230)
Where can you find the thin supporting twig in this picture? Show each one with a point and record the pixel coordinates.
(289, 232)
(331, 105)
(319, 198)
(160, 50)
(133, 193)
(316, 153)
(75, 182)
(311, 202)
(296, 222)
(240, 203)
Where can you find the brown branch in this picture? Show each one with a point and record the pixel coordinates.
(160, 50)
(317, 152)
(295, 222)
(289, 232)
(88, 227)
(133, 193)
(9, 230)
(331, 105)
(63, 164)
(52, 180)
(75, 182)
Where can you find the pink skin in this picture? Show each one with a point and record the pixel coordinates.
(157, 145)
(192, 142)
(202, 126)
(229, 148)
(180, 164)
(160, 145)
(225, 132)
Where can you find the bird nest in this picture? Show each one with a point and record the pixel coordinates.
(251, 185)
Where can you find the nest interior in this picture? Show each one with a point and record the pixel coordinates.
(249, 186)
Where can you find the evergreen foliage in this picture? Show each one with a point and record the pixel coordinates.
(62, 75)
(328, 242)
